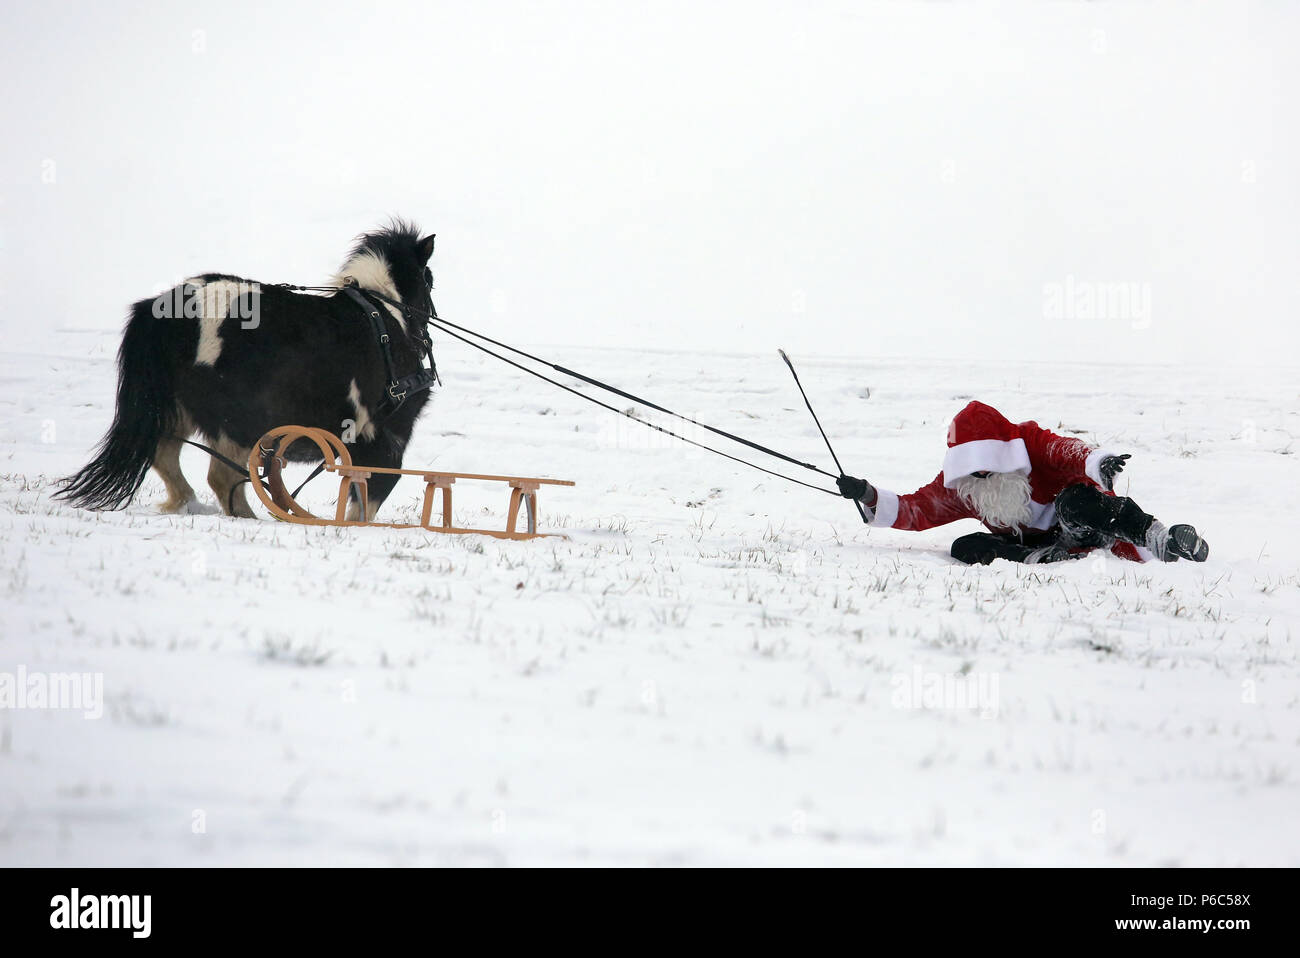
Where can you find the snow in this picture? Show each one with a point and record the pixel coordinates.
(714, 667)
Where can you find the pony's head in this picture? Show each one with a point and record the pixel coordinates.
(393, 261)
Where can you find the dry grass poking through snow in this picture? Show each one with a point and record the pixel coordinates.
(714, 667)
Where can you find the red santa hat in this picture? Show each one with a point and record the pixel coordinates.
(981, 439)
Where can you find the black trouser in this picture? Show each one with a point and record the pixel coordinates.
(1086, 518)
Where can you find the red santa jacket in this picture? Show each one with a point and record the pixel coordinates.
(981, 439)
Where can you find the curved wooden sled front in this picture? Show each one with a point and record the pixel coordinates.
(269, 451)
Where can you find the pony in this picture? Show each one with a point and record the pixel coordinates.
(229, 358)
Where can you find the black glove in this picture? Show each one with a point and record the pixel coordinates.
(851, 488)
(1110, 467)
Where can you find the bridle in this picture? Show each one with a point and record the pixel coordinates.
(398, 389)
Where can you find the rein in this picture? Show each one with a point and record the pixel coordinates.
(243, 470)
(400, 388)
(230, 496)
(431, 318)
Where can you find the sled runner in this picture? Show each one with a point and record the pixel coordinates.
(266, 463)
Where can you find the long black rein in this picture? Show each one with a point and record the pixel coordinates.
(433, 319)
(400, 388)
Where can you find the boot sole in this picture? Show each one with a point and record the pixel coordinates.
(1185, 543)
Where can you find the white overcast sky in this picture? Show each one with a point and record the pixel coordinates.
(834, 178)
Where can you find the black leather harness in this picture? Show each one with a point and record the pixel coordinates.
(399, 388)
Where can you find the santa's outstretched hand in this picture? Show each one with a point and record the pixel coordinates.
(854, 488)
(1110, 467)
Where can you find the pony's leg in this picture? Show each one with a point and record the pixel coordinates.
(379, 453)
(377, 489)
(354, 506)
(167, 463)
(225, 482)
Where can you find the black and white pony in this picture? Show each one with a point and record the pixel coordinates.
(230, 358)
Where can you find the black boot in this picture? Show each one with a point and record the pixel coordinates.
(978, 548)
(1179, 542)
(981, 548)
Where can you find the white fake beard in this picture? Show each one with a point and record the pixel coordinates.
(1002, 499)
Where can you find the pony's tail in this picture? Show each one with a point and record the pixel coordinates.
(146, 412)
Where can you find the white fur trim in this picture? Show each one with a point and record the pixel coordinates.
(1092, 468)
(886, 511)
(1044, 515)
(371, 271)
(985, 455)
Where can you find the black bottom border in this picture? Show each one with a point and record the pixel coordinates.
(920, 907)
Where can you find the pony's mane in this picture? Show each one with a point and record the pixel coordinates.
(370, 260)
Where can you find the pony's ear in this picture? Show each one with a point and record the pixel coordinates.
(425, 249)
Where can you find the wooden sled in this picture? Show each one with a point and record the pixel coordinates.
(268, 454)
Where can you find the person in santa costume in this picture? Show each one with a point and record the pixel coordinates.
(1043, 498)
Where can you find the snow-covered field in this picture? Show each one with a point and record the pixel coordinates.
(714, 667)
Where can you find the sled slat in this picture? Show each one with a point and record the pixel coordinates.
(342, 470)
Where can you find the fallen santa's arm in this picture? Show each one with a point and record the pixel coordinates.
(931, 505)
(1071, 457)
